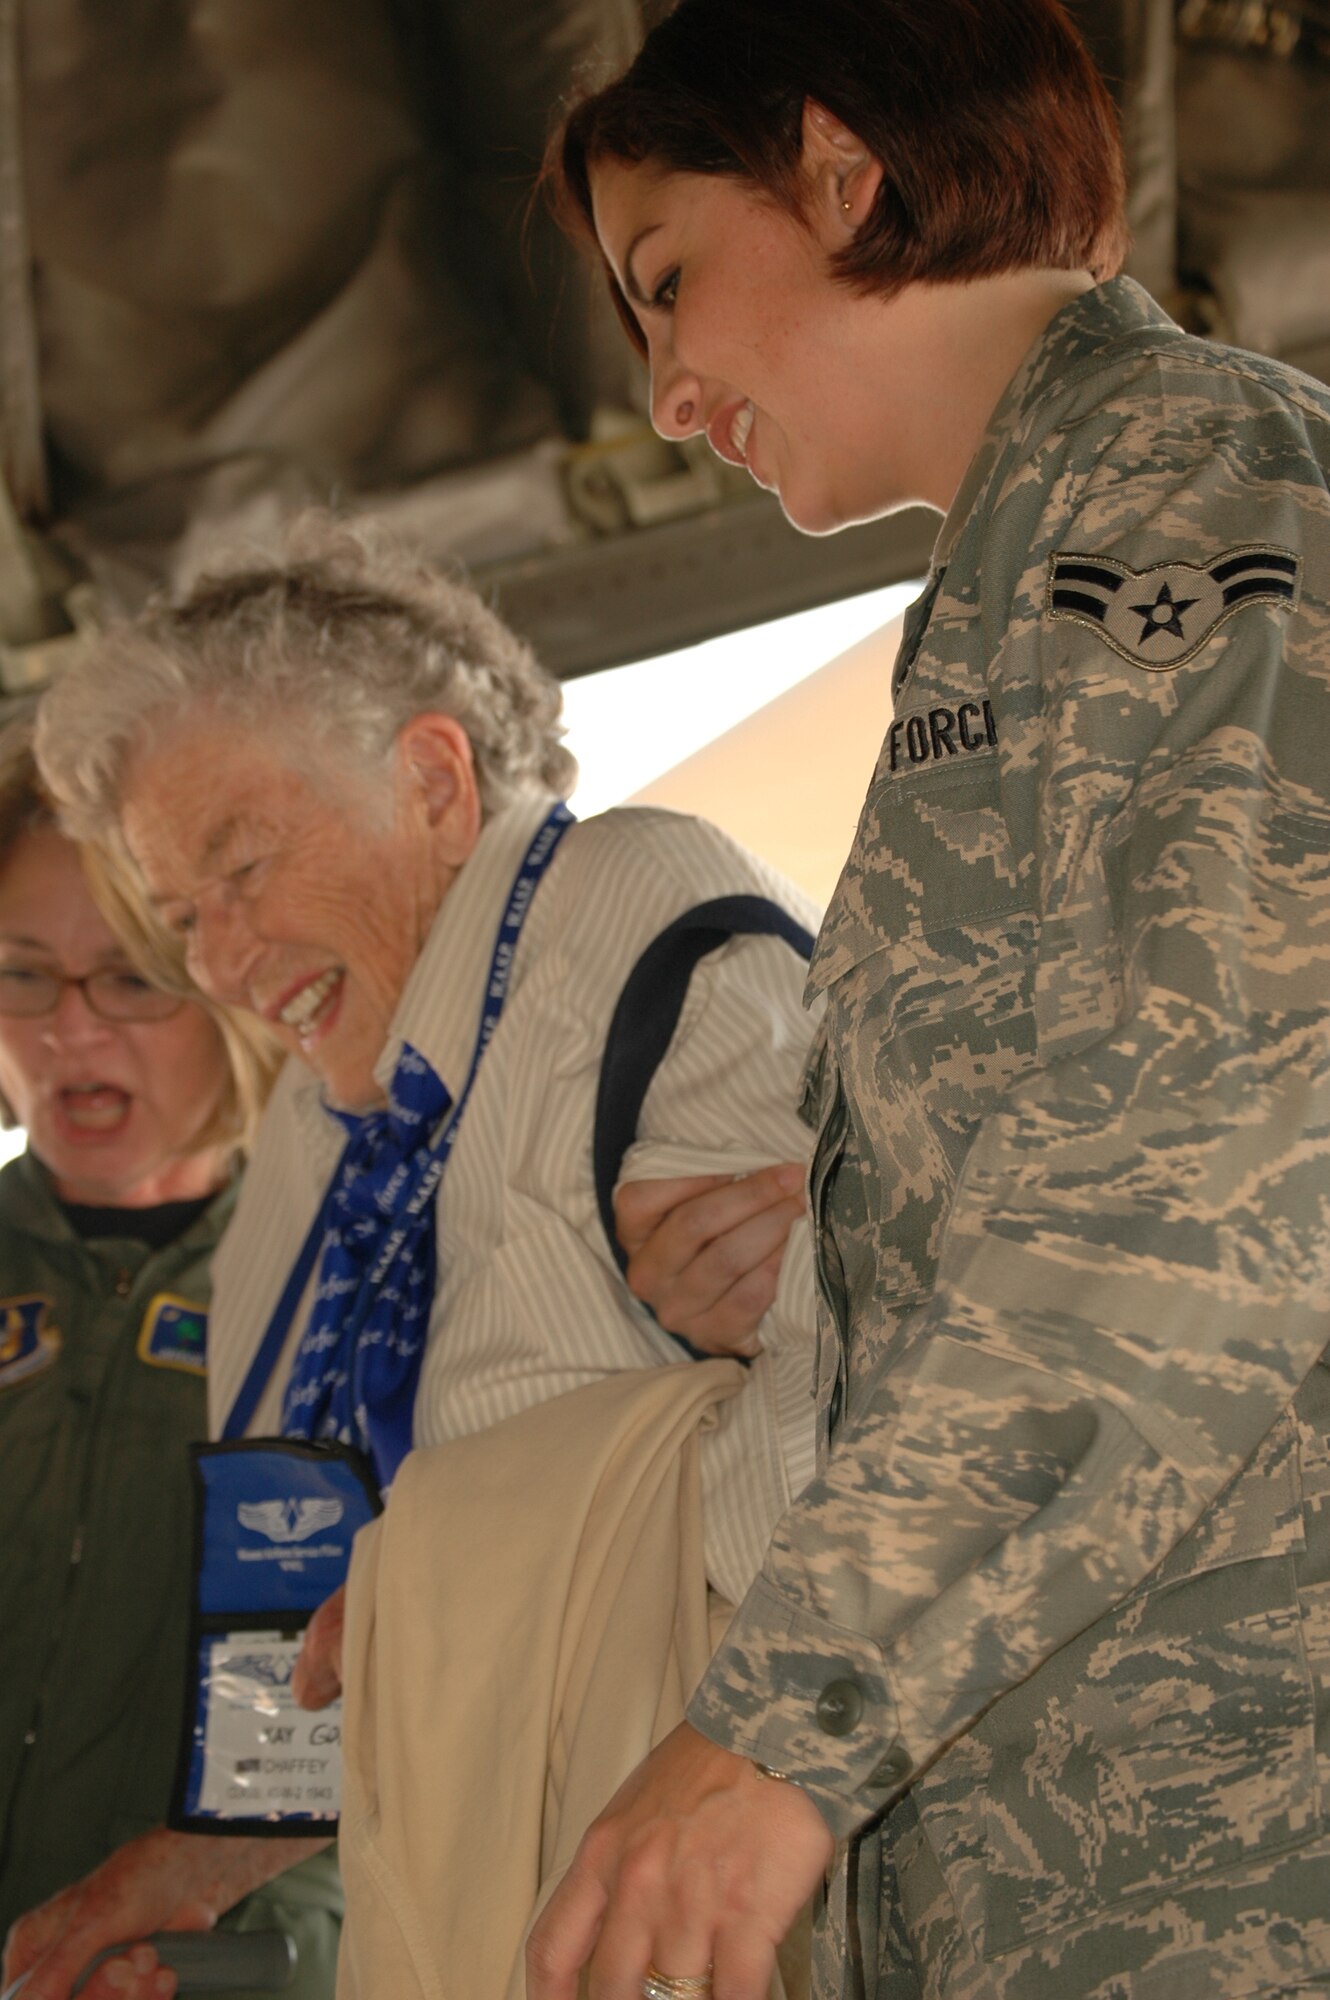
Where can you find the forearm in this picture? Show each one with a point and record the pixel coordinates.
(865, 1648)
(228, 1868)
(1104, 1349)
(1039, 1466)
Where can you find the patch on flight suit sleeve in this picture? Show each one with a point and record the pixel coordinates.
(27, 1343)
(1159, 618)
(174, 1334)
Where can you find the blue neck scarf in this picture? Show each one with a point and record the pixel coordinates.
(355, 1374)
(357, 1367)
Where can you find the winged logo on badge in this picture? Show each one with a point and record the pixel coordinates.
(269, 1669)
(1160, 617)
(289, 1520)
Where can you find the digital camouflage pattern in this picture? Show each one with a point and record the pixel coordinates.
(1065, 1570)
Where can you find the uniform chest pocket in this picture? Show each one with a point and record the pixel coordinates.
(931, 854)
(928, 948)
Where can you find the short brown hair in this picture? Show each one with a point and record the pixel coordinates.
(997, 136)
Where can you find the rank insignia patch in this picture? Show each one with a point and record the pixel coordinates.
(1159, 618)
(27, 1343)
(174, 1335)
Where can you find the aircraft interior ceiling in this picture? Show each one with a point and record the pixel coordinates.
(252, 257)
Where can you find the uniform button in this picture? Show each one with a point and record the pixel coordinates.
(29, 1737)
(123, 1284)
(839, 1707)
(891, 1770)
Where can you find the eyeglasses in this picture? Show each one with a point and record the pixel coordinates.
(113, 994)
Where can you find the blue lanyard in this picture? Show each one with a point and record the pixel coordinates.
(520, 897)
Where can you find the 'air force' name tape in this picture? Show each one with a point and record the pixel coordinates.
(934, 734)
(1160, 617)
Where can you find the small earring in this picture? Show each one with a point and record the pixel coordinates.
(847, 206)
(684, 414)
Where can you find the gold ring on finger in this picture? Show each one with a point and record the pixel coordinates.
(659, 1985)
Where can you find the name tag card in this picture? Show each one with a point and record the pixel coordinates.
(273, 1533)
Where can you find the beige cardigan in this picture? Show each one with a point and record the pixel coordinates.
(526, 1620)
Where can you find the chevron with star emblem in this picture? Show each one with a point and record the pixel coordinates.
(1160, 617)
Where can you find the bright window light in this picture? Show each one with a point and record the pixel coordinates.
(628, 724)
(11, 1145)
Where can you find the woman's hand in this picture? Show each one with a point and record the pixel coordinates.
(697, 1861)
(135, 1974)
(162, 1881)
(705, 1253)
(317, 1676)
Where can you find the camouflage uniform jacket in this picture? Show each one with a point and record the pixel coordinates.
(1048, 1637)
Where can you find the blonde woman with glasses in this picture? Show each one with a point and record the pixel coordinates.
(136, 1102)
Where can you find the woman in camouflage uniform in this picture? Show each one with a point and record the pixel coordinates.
(1043, 1649)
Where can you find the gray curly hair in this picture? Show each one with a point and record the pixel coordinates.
(344, 633)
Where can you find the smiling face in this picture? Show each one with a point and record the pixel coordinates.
(750, 337)
(113, 1109)
(302, 895)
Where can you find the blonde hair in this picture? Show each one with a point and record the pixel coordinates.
(253, 1056)
(345, 635)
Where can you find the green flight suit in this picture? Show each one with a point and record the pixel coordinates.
(101, 1390)
(1048, 1636)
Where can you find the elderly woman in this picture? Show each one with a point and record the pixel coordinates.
(338, 777)
(1042, 1645)
(135, 1102)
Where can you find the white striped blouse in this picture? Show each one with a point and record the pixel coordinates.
(529, 1302)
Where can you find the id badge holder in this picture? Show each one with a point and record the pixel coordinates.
(274, 1523)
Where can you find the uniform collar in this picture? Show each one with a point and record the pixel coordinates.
(440, 1008)
(1075, 342)
(31, 1206)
